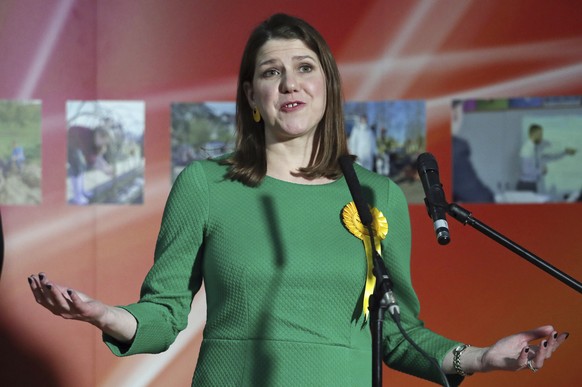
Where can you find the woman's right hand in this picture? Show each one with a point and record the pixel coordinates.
(66, 302)
(72, 304)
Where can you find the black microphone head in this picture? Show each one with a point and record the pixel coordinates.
(426, 161)
(436, 204)
(428, 169)
(347, 166)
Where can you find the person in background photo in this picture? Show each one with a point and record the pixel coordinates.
(467, 185)
(86, 151)
(362, 143)
(383, 145)
(18, 158)
(259, 228)
(534, 156)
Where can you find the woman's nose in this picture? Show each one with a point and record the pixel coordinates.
(289, 84)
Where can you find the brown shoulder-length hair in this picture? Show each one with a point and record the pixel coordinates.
(248, 163)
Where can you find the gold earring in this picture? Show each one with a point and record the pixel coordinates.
(256, 115)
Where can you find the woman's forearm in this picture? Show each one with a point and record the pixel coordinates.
(118, 323)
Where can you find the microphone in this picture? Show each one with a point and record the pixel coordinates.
(436, 204)
(346, 164)
(383, 280)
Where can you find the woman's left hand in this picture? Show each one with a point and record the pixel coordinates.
(516, 352)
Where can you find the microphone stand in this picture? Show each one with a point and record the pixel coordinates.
(381, 299)
(465, 217)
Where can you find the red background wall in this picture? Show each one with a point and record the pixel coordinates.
(188, 51)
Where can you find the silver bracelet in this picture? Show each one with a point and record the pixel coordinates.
(457, 359)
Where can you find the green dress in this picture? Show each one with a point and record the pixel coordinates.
(284, 281)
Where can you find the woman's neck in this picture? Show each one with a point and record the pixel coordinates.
(284, 160)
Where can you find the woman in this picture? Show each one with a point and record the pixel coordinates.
(283, 276)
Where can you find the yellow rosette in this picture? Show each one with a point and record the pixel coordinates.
(352, 222)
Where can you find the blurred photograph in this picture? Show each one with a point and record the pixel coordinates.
(20, 152)
(387, 137)
(105, 159)
(200, 131)
(517, 150)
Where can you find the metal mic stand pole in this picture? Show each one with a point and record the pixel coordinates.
(379, 301)
(377, 310)
(465, 217)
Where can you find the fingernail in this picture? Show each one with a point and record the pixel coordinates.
(69, 292)
(41, 276)
(49, 286)
(567, 335)
(545, 343)
(526, 350)
(555, 335)
(29, 280)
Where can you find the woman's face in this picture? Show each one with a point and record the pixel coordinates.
(288, 88)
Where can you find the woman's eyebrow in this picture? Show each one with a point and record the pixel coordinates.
(295, 58)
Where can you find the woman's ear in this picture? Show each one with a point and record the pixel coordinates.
(248, 89)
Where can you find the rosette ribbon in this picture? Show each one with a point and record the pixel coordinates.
(351, 220)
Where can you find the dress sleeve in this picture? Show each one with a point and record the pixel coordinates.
(398, 353)
(176, 275)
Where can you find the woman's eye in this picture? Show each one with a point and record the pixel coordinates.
(305, 68)
(270, 73)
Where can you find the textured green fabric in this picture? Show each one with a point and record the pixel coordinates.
(283, 281)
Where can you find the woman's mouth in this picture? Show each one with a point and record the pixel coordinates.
(288, 107)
